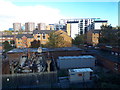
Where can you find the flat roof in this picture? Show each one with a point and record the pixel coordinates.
(76, 57)
(81, 70)
(18, 50)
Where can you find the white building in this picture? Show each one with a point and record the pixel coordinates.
(29, 26)
(41, 26)
(17, 26)
(81, 25)
(98, 23)
(80, 75)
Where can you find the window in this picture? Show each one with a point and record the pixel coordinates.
(38, 37)
(19, 38)
(116, 66)
(19, 42)
(80, 74)
(44, 36)
(44, 41)
(81, 32)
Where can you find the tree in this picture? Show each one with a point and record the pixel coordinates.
(7, 46)
(109, 36)
(35, 44)
(56, 40)
(79, 39)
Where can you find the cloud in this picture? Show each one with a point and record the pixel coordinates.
(10, 13)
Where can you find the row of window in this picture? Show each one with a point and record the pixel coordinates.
(6, 38)
(42, 37)
(30, 42)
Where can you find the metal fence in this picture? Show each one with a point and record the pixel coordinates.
(30, 80)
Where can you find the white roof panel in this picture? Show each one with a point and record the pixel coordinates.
(76, 57)
(81, 70)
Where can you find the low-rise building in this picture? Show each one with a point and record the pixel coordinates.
(41, 35)
(93, 37)
(66, 38)
(69, 62)
(24, 40)
(7, 38)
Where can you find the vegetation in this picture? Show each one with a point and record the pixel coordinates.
(55, 40)
(109, 36)
(7, 46)
(35, 44)
(79, 39)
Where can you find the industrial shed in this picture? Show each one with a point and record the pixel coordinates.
(68, 62)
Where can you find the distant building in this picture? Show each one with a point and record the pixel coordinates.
(29, 26)
(50, 27)
(41, 35)
(7, 38)
(17, 26)
(11, 29)
(93, 37)
(24, 40)
(41, 26)
(81, 25)
(67, 39)
(98, 23)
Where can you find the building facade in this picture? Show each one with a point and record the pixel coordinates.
(41, 35)
(93, 37)
(82, 25)
(67, 39)
(29, 26)
(24, 40)
(7, 38)
(17, 26)
(41, 26)
(50, 27)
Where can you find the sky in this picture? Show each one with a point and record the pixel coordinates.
(51, 12)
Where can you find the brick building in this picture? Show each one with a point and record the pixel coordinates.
(93, 37)
(24, 40)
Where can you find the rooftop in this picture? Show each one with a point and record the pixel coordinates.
(81, 70)
(76, 57)
(18, 50)
(107, 55)
(8, 36)
(42, 31)
(27, 35)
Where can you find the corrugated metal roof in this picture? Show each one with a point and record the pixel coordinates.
(76, 57)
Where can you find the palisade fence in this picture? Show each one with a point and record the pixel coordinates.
(30, 80)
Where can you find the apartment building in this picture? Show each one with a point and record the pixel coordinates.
(41, 35)
(67, 39)
(98, 23)
(81, 25)
(17, 26)
(50, 27)
(24, 40)
(29, 26)
(7, 38)
(93, 37)
(41, 26)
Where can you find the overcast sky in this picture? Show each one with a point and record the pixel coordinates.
(50, 12)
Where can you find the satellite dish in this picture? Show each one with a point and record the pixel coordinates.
(40, 50)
